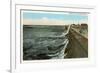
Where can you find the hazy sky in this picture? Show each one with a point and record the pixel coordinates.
(60, 16)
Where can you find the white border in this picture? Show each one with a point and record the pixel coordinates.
(15, 53)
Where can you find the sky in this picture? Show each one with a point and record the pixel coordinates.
(58, 16)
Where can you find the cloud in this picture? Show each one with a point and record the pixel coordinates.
(44, 18)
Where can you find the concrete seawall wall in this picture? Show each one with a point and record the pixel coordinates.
(78, 45)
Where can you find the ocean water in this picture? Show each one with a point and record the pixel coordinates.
(43, 42)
